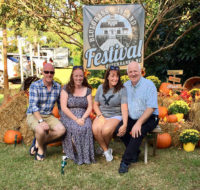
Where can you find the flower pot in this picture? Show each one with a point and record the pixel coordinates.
(189, 147)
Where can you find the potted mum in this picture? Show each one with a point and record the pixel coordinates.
(189, 138)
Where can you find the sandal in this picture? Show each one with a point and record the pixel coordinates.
(41, 156)
(33, 149)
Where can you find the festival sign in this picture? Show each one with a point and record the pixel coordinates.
(112, 35)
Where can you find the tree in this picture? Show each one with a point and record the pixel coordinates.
(65, 19)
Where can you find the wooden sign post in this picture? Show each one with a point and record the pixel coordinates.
(175, 79)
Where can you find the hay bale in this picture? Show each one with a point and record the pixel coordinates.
(194, 114)
(174, 129)
(12, 113)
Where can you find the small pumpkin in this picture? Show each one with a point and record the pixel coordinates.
(165, 88)
(162, 111)
(164, 140)
(55, 112)
(172, 118)
(11, 135)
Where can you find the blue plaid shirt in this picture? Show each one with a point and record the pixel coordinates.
(140, 97)
(42, 100)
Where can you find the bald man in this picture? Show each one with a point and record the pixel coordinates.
(43, 94)
(143, 114)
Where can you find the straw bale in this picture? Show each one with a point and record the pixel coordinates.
(194, 114)
(12, 113)
(26, 132)
(174, 129)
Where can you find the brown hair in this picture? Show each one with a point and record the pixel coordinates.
(106, 82)
(70, 87)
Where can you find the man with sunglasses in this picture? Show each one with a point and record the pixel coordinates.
(43, 94)
(142, 111)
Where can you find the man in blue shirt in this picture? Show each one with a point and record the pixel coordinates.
(43, 94)
(143, 114)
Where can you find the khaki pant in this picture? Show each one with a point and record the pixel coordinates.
(49, 119)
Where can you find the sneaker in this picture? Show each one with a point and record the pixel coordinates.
(99, 151)
(123, 168)
(108, 155)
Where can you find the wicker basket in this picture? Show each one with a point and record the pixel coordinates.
(193, 82)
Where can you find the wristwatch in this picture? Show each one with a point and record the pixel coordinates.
(40, 120)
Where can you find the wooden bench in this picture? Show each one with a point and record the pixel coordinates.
(153, 134)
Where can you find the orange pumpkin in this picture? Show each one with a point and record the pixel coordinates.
(55, 112)
(162, 111)
(58, 143)
(165, 88)
(172, 118)
(164, 140)
(10, 136)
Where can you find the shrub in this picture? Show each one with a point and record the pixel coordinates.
(178, 106)
(155, 80)
(124, 78)
(95, 82)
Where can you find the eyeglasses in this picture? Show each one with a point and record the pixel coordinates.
(77, 67)
(51, 72)
(114, 68)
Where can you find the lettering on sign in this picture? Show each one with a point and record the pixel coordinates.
(174, 72)
(174, 79)
(174, 86)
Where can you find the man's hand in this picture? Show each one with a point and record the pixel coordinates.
(136, 130)
(122, 131)
(45, 126)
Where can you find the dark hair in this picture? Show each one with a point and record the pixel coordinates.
(70, 87)
(106, 82)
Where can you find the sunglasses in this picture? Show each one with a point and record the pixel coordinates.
(51, 72)
(114, 68)
(77, 67)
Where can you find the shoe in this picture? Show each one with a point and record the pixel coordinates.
(108, 155)
(123, 168)
(41, 156)
(99, 151)
(33, 149)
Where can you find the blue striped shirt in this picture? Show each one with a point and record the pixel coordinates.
(42, 100)
(140, 97)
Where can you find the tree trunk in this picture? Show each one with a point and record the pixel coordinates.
(6, 84)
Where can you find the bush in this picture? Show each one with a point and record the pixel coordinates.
(155, 80)
(95, 82)
(124, 78)
(178, 106)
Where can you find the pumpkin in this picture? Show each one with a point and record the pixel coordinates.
(164, 140)
(172, 118)
(55, 112)
(162, 111)
(58, 143)
(11, 135)
(164, 88)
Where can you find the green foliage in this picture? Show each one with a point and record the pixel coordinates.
(189, 135)
(155, 80)
(95, 82)
(124, 78)
(178, 106)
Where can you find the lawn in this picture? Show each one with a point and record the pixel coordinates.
(170, 169)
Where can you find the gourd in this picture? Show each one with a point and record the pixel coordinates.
(11, 136)
(172, 118)
(55, 112)
(164, 140)
(164, 88)
(162, 111)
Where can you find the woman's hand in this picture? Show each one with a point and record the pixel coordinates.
(122, 131)
(80, 121)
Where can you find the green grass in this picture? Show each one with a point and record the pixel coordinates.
(170, 169)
